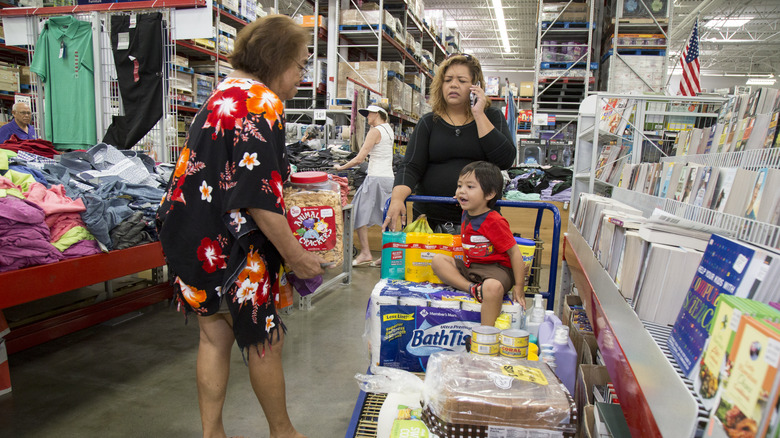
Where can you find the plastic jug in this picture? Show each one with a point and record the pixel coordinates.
(547, 329)
(535, 317)
(565, 357)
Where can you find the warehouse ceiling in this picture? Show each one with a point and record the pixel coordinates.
(750, 47)
(753, 47)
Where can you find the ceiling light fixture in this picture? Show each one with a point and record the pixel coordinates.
(727, 22)
(760, 81)
(499, 10)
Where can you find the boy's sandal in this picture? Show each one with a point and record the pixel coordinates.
(476, 291)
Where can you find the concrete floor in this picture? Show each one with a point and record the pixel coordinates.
(137, 378)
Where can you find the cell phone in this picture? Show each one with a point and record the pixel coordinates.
(473, 96)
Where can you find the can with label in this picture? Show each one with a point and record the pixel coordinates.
(484, 349)
(514, 338)
(514, 352)
(485, 335)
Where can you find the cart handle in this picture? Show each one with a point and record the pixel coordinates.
(540, 206)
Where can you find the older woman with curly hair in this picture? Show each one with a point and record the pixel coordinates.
(222, 223)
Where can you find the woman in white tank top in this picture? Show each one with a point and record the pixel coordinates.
(370, 198)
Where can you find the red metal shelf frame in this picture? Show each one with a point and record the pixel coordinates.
(639, 416)
(36, 282)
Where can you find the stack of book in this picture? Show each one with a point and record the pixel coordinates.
(728, 267)
(737, 376)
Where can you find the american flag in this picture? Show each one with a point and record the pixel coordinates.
(690, 83)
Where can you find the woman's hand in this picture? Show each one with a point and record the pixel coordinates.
(481, 103)
(306, 264)
(338, 167)
(396, 210)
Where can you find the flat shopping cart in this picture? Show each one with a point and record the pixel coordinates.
(365, 416)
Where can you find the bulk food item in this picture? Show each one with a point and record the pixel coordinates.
(314, 213)
(465, 395)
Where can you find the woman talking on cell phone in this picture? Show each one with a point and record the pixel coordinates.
(454, 134)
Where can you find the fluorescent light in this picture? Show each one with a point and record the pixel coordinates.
(727, 22)
(499, 9)
(760, 81)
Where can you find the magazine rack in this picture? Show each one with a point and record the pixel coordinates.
(654, 398)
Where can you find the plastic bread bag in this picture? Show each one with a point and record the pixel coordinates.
(389, 380)
(467, 389)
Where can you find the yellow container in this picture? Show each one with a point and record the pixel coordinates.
(418, 268)
(527, 249)
(439, 243)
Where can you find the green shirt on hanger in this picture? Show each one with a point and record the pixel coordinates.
(63, 61)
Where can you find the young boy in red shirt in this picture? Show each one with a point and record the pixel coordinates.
(492, 264)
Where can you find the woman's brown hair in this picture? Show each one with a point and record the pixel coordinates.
(438, 104)
(267, 47)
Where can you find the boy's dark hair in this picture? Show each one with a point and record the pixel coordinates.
(489, 177)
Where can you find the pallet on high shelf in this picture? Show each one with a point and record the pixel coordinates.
(364, 27)
(566, 25)
(567, 65)
(638, 20)
(634, 52)
(567, 80)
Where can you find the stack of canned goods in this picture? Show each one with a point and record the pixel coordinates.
(490, 341)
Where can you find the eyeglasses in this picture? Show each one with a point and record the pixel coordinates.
(304, 70)
(24, 113)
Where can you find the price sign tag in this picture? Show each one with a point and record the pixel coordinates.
(319, 114)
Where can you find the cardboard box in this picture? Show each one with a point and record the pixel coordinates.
(526, 89)
(569, 301)
(309, 21)
(231, 5)
(394, 94)
(228, 29)
(588, 422)
(588, 376)
(406, 98)
(582, 340)
(353, 17)
(9, 79)
(366, 73)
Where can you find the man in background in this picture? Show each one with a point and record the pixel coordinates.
(20, 125)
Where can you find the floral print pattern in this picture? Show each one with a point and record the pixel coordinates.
(233, 160)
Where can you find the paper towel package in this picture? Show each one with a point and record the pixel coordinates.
(406, 322)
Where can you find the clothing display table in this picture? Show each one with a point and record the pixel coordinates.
(36, 282)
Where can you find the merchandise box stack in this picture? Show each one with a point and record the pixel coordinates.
(248, 9)
(493, 85)
(565, 12)
(624, 78)
(181, 61)
(366, 73)
(9, 78)
(183, 83)
(406, 98)
(417, 8)
(354, 17)
(231, 5)
(204, 86)
(394, 94)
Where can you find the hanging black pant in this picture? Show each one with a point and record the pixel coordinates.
(138, 55)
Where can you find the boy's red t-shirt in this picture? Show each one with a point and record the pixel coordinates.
(486, 239)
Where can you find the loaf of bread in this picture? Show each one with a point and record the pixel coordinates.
(467, 389)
